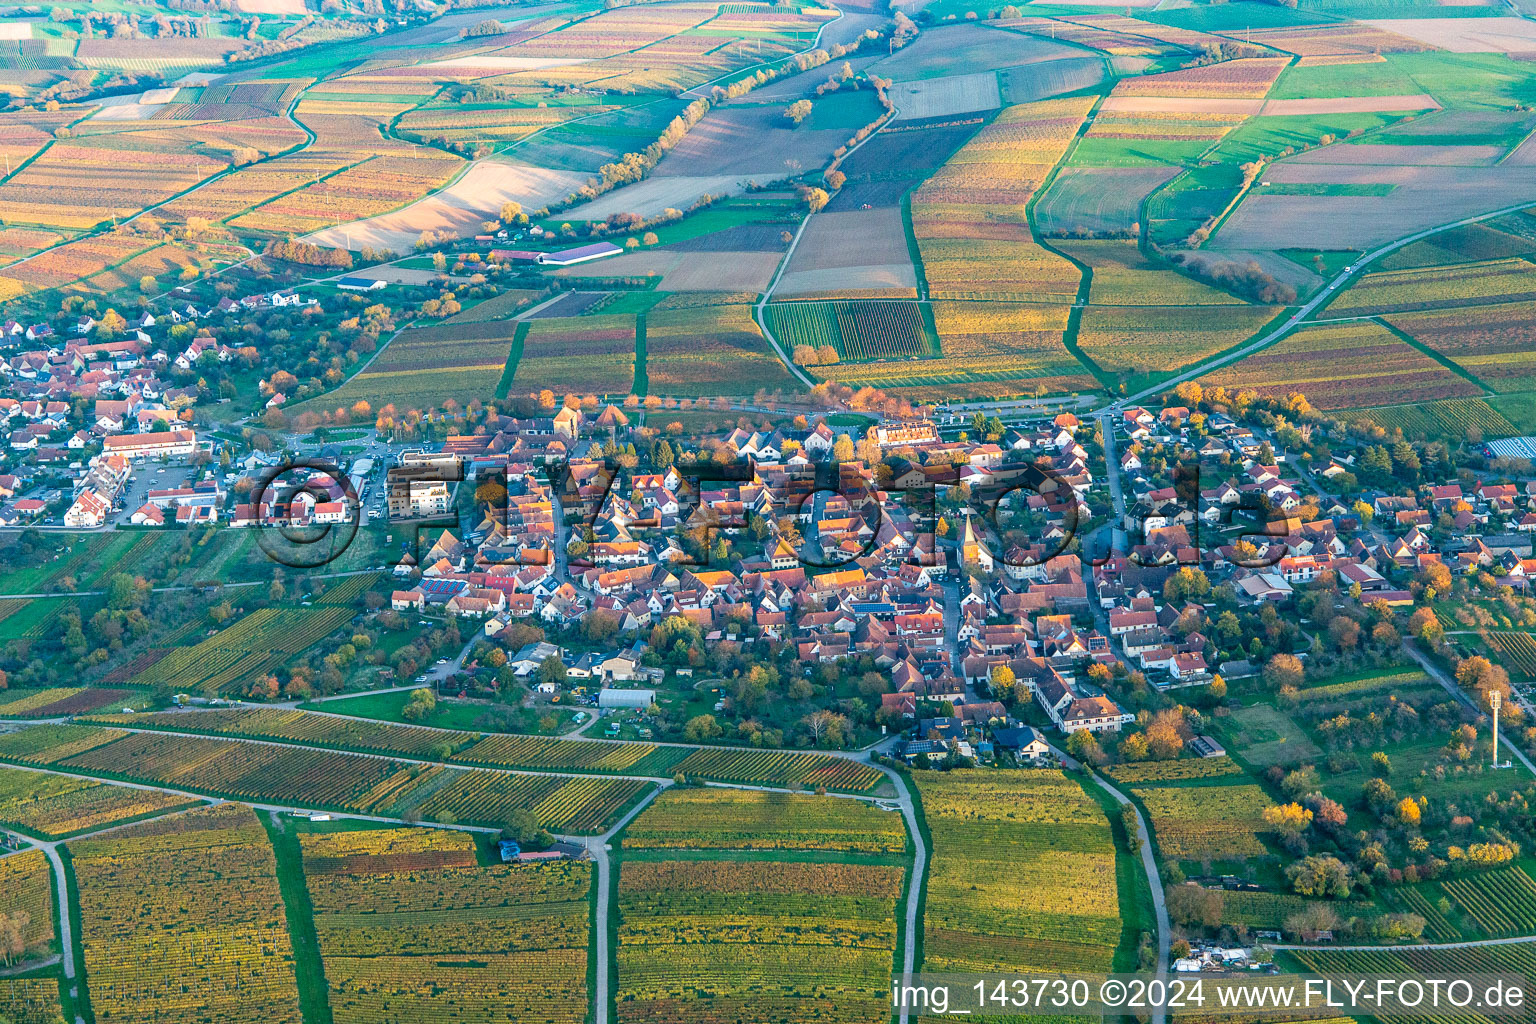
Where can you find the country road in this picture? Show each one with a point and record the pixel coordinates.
(1321, 298)
(1436, 673)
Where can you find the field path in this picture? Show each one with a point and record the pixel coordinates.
(1512, 941)
(65, 921)
(598, 846)
(757, 310)
(1149, 865)
(916, 878)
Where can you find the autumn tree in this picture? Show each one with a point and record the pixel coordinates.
(13, 935)
(1165, 735)
(1192, 904)
(1321, 876)
(421, 704)
(1284, 670)
(1002, 678)
(1288, 819)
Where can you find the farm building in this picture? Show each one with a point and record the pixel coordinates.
(361, 284)
(608, 697)
(580, 254)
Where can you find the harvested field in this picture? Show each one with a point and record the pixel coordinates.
(1423, 198)
(909, 149)
(656, 193)
(833, 255)
(941, 97)
(752, 142)
(569, 304)
(720, 271)
(1344, 366)
(1458, 124)
(1123, 276)
(1375, 154)
(681, 271)
(1085, 33)
(1100, 199)
(1465, 35)
(1341, 58)
(952, 49)
(1351, 104)
(855, 195)
(458, 209)
(1138, 104)
(1272, 263)
(896, 159)
(741, 238)
(1050, 78)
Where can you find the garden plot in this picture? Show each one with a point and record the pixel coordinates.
(1465, 35)
(942, 97)
(1099, 199)
(655, 194)
(1266, 736)
(858, 251)
(458, 209)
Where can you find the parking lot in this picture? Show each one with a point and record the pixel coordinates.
(150, 476)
